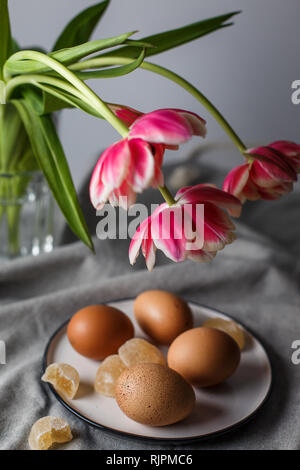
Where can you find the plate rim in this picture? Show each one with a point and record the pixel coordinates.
(165, 440)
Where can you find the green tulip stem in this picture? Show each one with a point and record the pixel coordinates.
(167, 195)
(68, 75)
(36, 79)
(39, 80)
(106, 61)
(215, 113)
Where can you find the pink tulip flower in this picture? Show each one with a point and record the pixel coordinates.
(268, 175)
(180, 233)
(134, 163)
(168, 126)
(124, 169)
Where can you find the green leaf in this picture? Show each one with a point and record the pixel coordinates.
(80, 29)
(5, 35)
(114, 71)
(176, 37)
(52, 99)
(55, 100)
(14, 143)
(73, 54)
(27, 162)
(142, 44)
(52, 161)
(15, 46)
(16, 65)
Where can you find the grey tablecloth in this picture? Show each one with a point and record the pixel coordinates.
(256, 280)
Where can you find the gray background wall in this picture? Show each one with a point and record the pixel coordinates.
(246, 70)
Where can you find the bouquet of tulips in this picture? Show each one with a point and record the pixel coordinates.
(34, 84)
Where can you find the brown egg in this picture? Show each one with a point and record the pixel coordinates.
(162, 315)
(97, 331)
(154, 394)
(204, 356)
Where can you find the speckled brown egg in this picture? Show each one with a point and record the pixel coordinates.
(153, 394)
(162, 315)
(97, 331)
(204, 356)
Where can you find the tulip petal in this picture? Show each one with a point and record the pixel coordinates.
(172, 147)
(208, 193)
(193, 226)
(109, 172)
(271, 194)
(116, 160)
(149, 252)
(270, 168)
(167, 232)
(98, 192)
(125, 113)
(218, 228)
(167, 126)
(124, 196)
(142, 164)
(197, 124)
(290, 150)
(268, 175)
(158, 179)
(162, 126)
(144, 230)
(236, 180)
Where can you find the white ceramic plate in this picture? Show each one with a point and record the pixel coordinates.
(218, 409)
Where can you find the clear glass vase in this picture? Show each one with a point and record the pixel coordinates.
(26, 215)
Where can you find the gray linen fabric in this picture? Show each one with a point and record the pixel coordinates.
(256, 280)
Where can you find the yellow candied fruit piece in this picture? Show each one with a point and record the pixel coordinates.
(64, 378)
(107, 374)
(47, 431)
(230, 327)
(138, 350)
